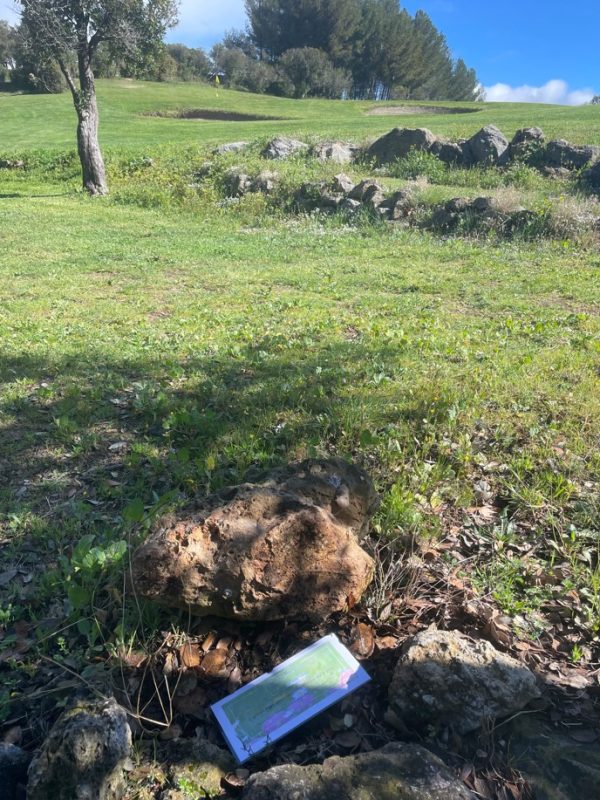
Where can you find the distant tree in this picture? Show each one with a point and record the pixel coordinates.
(69, 33)
(463, 83)
(311, 73)
(595, 101)
(8, 47)
(241, 40)
(193, 64)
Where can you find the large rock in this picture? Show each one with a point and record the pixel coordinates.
(342, 183)
(237, 183)
(13, 770)
(557, 767)
(286, 548)
(592, 176)
(396, 772)
(283, 147)
(448, 152)
(399, 142)
(265, 182)
(444, 679)
(367, 191)
(338, 152)
(230, 147)
(84, 756)
(524, 146)
(560, 153)
(487, 146)
(197, 767)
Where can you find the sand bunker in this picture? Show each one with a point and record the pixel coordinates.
(212, 115)
(401, 111)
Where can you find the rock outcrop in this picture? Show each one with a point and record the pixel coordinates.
(559, 153)
(84, 756)
(338, 152)
(13, 770)
(445, 680)
(230, 147)
(283, 147)
(486, 147)
(399, 142)
(287, 548)
(398, 770)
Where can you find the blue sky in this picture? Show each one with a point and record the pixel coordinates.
(544, 50)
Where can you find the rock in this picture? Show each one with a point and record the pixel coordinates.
(560, 153)
(342, 183)
(448, 152)
(399, 142)
(592, 176)
(486, 147)
(237, 183)
(230, 147)
(444, 679)
(558, 173)
(11, 163)
(396, 772)
(13, 770)
(265, 182)
(84, 756)
(338, 152)
(524, 146)
(398, 206)
(287, 548)
(366, 190)
(197, 767)
(557, 767)
(283, 147)
(350, 206)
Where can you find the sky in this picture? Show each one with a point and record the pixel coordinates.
(523, 50)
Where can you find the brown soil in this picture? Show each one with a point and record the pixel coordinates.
(401, 111)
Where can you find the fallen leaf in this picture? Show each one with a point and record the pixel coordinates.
(189, 655)
(363, 641)
(213, 664)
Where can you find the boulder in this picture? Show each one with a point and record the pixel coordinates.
(557, 767)
(397, 771)
(350, 206)
(398, 206)
(13, 770)
(338, 152)
(366, 190)
(265, 182)
(230, 147)
(560, 153)
(237, 183)
(524, 146)
(197, 767)
(283, 147)
(84, 756)
(446, 680)
(286, 548)
(342, 183)
(592, 176)
(486, 147)
(399, 142)
(448, 152)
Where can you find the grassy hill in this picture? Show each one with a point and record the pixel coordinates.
(159, 343)
(48, 121)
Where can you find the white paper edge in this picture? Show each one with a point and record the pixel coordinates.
(358, 679)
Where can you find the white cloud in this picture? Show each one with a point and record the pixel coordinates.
(555, 91)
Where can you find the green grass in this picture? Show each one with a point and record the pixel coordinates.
(29, 121)
(148, 354)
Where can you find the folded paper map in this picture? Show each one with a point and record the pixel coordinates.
(278, 702)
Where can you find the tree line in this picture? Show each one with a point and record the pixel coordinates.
(359, 49)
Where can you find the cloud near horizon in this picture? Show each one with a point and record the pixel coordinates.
(555, 91)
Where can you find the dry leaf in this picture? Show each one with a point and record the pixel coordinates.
(214, 663)
(363, 641)
(189, 655)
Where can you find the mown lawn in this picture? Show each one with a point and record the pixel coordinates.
(149, 355)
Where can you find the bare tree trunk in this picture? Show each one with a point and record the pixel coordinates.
(84, 98)
(92, 163)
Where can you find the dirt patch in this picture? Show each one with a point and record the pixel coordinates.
(212, 115)
(405, 111)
